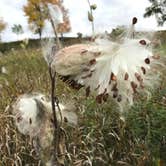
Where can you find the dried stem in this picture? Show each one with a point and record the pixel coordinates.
(92, 22)
(57, 130)
(55, 121)
(55, 33)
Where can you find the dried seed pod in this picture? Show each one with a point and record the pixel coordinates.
(93, 7)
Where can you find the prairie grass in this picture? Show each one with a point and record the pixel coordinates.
(102, 137)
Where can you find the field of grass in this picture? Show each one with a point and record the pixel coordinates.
(102, 137)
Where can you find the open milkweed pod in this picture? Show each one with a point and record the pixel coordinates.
(55, 13)
(29, 116)
(33, 110)
(65, 113)
(119, 69)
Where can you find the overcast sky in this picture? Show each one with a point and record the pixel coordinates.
(108, 15)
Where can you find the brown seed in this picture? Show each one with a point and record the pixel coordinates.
(92, 62)
(114, 88)
(119, 99)
(89, 75)
(143, 42)
(84, 51)
(138, 77)
(87, 91)
(105, 97)
(126, 76)
(134, 86)
(134, 21)
(75, 85)
(105, 90)
(113, 77)
(110, 80)
(97, 87)
(30, 121)
(147, 61)
(115, 94)
(65, 78)
(143, 70)
(99, 98)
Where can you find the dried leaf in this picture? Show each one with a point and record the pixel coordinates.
(90, 17)
(93, 7)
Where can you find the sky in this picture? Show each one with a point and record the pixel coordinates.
(109, 14)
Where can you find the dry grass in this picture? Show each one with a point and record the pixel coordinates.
(102, 137)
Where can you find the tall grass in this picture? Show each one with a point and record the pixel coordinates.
(102, 137)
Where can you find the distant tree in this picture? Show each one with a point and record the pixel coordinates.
(118, 32)
(157, 8)
(17, 29)
(65, 25)
(2, 25)
(79, 35)
(37, 12)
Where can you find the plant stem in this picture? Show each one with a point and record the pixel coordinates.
(92, 22)
(55, 121)
(55, 33)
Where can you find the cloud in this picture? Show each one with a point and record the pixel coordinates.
(108, 15)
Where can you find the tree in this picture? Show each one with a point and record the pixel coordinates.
(17, 29)
(157, 8)
(2, 25)
(65, 26)
(37, 12)
(34, 11)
